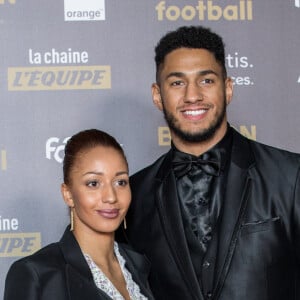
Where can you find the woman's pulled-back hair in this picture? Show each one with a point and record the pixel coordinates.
(85, 140)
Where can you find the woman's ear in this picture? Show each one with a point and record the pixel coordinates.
(66, 193)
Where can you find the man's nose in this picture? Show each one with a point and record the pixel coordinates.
(193, 93)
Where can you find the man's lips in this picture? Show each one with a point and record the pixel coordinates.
(108, 213)
(197, 112)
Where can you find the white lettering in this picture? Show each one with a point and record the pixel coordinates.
(55, 151)
(8, 224)
(56, 57)
(236, 61)
(85, 14)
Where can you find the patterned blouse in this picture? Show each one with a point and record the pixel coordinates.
(103, 283)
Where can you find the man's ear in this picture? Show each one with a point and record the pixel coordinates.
(67, 196)
(156, 96)
(228, 89)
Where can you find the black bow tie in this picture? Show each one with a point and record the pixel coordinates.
(209, 162)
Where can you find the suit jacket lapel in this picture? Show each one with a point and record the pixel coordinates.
(170, 215)
(236, 196)
(139, 268)
(80, 287)
(79, 277)
(80, 280)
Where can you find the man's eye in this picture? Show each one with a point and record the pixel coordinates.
(176, 83)
(207, 81)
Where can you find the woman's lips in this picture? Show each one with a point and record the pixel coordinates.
(108, 213)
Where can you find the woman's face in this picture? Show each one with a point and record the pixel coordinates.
(99, 192)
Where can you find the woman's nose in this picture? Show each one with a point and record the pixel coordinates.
(109, 195)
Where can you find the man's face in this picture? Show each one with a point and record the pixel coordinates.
(193, 95)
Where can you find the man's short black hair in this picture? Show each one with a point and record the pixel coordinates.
(196, 37)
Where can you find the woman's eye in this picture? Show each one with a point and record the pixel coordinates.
(93, 183)
(122, 182)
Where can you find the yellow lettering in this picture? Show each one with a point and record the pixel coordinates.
(249, 10)
(3, 160)
(9, 1)
(206, 10)
(250, 134)
(214, 11)
(173, 13)
(19, 244)
(59, 78)
(188, 13)
(164, 136)
(231, 13)
(160, 7)
(242, 10)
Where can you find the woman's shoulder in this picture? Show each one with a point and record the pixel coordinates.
(49, 256)
(29, 274)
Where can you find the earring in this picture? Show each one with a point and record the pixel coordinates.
(124, 223)
(71, 220)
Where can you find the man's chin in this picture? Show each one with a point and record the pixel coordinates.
(195, 136)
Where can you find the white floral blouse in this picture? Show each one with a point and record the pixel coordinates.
(103, 283)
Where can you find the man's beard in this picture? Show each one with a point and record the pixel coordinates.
(195, 137)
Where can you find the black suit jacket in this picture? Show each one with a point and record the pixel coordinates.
(258, 244)
(59, 271)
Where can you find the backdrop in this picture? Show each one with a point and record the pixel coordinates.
(71, 65)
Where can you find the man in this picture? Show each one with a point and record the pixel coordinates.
(218, 215)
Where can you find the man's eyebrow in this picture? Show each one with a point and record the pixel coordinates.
(182, 74)
(175, 74)
(208, 72)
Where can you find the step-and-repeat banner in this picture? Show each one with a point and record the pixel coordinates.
(72, 65)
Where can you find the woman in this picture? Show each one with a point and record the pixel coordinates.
(86, 263)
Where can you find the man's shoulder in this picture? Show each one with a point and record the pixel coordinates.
(272, 152)
(150, 170)
(263, 150)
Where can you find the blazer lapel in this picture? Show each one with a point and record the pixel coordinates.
(170, 215)
(80, 287)
(80, 280)
(139, 268)
(78, 275)
(236, 197)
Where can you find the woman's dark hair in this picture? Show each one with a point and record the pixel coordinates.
(85, 140)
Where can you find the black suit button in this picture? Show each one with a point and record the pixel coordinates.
(209, 295)
(205, 240)
(203, 201)
(206, 264)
